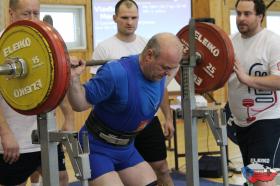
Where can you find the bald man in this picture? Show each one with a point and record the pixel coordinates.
(125, 94)
(150, 143)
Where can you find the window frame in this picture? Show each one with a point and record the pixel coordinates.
(79, 31)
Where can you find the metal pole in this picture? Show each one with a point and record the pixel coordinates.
(46, 123)
(217, 123)
(188, 105)
(6, 69)
(93, 63)
(224, 165)
(18, 68)
(97, 62)
(223, 147)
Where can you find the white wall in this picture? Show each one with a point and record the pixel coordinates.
(173, 86)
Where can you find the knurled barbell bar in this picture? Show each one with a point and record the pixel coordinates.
(35, 67)
(17, 67)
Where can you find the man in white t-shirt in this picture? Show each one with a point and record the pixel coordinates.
(254, 88)
(151, 141)
(19, 158)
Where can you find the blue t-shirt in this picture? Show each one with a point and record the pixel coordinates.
(124, 99)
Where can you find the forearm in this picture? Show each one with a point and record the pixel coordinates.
(168, 125)
(165, 107)
(8, 141)
(76, 95)
(4, 127)
(271, 82)
(68, 115)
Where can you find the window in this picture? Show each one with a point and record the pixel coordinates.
(272, 21)
(69, 21)
(233, 27)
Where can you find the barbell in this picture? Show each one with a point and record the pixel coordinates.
(215, 56)
(35, 66)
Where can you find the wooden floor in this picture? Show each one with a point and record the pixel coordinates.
(206, 142)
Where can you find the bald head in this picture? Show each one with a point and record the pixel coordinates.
(161, 56)
(164, 42)
(24, 10)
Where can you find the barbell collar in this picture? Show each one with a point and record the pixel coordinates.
(186, 59)
(198, 57)
(14, 68)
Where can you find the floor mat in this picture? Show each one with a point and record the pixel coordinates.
(179, 180)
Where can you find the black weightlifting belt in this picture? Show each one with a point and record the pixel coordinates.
(105, 134)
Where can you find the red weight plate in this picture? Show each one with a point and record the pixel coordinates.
(65, 65)
(61, 66)
(62, 72)
(217, 56)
